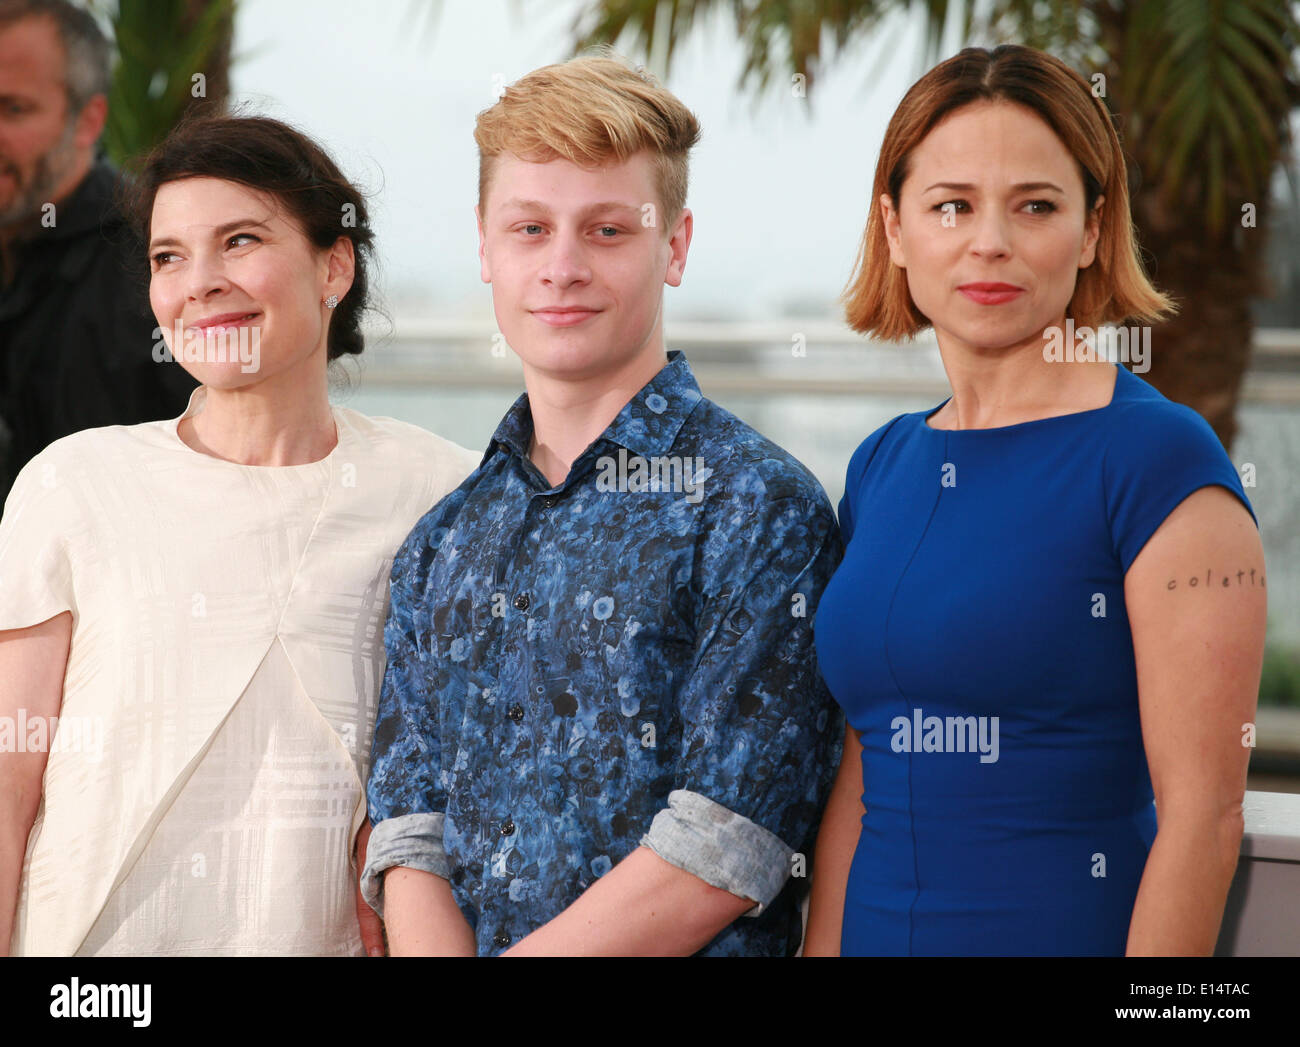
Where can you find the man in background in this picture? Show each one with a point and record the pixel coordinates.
(76, 332)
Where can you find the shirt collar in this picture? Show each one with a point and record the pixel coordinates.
(647, 425)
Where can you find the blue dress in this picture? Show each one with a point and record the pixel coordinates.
(976, 636)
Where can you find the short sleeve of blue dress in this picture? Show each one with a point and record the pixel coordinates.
(977, 638)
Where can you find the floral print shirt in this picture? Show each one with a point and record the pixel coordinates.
(625, 659)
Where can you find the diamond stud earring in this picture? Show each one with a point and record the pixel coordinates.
(331, 301)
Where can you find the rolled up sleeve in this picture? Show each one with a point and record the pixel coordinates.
(413, 841)
(761, 733)
(719, 846)
(405, 797)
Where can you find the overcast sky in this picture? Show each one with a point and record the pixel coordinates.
(779, 193)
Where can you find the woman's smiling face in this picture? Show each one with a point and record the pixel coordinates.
(222, 251)
(991, 197)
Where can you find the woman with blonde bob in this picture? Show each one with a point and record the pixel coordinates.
(1051, 607)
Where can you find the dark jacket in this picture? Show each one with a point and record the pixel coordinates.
(76, 332)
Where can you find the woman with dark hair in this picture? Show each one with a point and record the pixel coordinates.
(1051, 607)
(195, 608)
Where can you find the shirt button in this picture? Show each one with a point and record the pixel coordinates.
(501, 939)
(507, 827)
(549, 501)
(521, 601)
(516, 713)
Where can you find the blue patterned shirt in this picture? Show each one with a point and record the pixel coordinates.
(623, 659)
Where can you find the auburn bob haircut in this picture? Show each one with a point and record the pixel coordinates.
(1114, 288)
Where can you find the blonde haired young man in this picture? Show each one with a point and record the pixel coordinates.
(602, 729)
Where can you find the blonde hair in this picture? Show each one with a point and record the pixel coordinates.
(591, 110)
(1110, 290)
